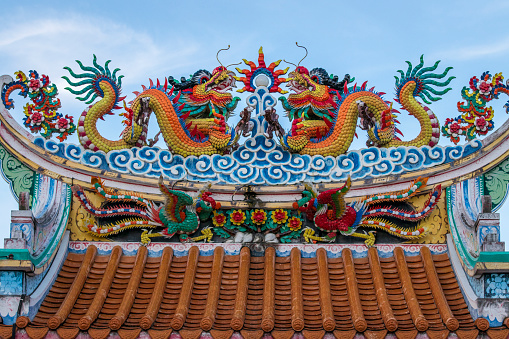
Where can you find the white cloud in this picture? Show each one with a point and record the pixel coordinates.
(49, 44)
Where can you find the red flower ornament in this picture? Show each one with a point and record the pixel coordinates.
(294, 224)
(219, 219)
(481, 124)
(259, 217)
(237, 217)
(279, 216)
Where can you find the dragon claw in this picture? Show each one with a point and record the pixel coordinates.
(369, 236)
(206, 235)
(145, 238)
(146, 235)
(370, 241)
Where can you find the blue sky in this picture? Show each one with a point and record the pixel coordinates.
(368, 39)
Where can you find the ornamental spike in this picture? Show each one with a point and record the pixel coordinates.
(177, 98)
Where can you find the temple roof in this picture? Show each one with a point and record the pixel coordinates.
(405, 293)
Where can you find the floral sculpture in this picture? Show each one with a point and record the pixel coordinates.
(41, 114)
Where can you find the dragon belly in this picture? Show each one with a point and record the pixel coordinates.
(173, 129)
(341, 133)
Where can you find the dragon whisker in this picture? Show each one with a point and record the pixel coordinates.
(80, 91)
(304, 55)
(99, 67)
(409, 70)
(419, 66)
(217, 54)
(427, 69)
(87, 68)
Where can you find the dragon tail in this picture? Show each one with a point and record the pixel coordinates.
(115, 228)
(107, 212)
(407, 215)
(417, 82)
(128, 197)
(92, 76)
(424, 77)
(403, 195)
(392, 228)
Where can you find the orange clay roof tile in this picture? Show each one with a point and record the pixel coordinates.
(223, 294)
(5, 331)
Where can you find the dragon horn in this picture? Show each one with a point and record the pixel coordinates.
(217, 54)
(291, 63)
(304, 55)
(233, 64)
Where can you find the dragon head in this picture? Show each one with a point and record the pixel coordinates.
(299, 81)
(308, 204)
(205, 205)
(314, 93)
(222, 80)
(313, 106)
(205, 89)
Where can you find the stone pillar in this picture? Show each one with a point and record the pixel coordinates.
(22, 226)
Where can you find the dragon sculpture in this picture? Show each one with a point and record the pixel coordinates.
(330, 213)
(325, 111)
(191, 114)
(121, 212)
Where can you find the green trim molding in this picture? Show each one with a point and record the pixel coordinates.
(19, 177)
(496, 183)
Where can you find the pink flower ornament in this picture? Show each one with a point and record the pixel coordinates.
(62, 124)
(34, 85)
(36, 118)
(454, 129)
(484, 87)
(481, 124)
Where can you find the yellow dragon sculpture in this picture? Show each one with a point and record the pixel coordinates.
(191, 114)
(325, 111)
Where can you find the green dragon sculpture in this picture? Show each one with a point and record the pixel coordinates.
(121, 212)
